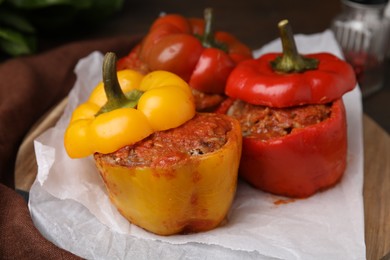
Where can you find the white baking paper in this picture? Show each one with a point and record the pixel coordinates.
(70, 206)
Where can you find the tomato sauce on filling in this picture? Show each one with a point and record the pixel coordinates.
(203, 134)
(265, 123)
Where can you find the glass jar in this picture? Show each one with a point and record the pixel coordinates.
(387, 19)
(363, 35)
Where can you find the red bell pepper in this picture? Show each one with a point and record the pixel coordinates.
(191, 49)
(310, 158)
(289, 79)
(301, 163)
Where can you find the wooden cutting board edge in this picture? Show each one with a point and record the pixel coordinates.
(26, 165)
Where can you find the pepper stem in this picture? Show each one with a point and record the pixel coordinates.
(208, 36)
(208, 39)
(291, 61)
(115, 96)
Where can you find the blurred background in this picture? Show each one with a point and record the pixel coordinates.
(30, 27)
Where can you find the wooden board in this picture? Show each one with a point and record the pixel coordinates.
(376, 190)
(376, 177)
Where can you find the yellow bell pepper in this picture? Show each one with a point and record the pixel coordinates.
(125, 108)
(191, 196)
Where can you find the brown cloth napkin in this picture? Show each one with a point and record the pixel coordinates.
(29, 86)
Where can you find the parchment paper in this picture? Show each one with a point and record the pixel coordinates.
(70, 206)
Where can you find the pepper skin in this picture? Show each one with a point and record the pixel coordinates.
(256, 82)
(131, 61)
(191, 49)
(290, 79)
(111, 119)
(301, 163)
(193, 195)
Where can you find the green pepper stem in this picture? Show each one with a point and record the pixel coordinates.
(112, 88)
(208, 39)
(115, 96)
(208, 36)
(291, 61)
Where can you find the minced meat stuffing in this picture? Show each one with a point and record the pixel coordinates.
(203, 134)
(265, 122)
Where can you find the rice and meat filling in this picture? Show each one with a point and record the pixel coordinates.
(266, 123)
(203, 134)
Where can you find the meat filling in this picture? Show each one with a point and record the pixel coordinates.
(266, 123)
(203, 134)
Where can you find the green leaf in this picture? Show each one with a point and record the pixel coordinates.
(15, 44)
(32, 4)
(16, 21)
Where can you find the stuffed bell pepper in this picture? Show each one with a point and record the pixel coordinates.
(192, 50)
(293, 118)
(166, 168)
